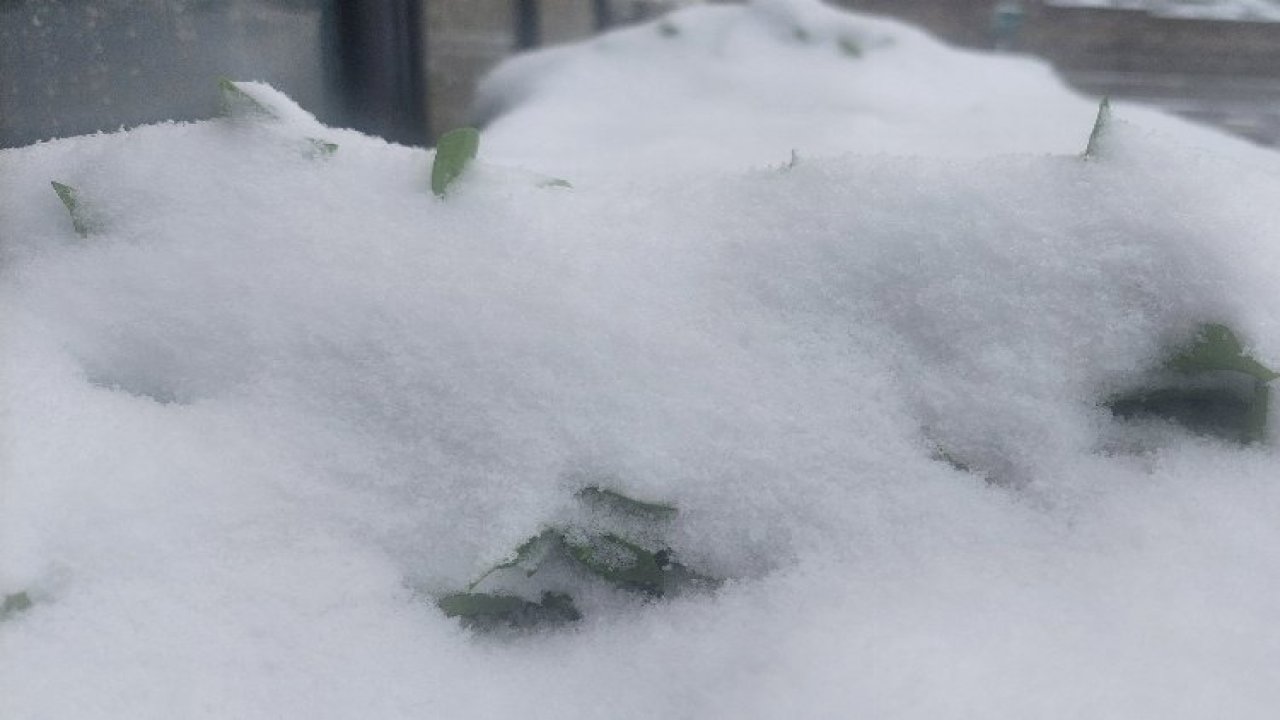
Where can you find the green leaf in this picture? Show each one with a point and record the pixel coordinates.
(849, 47)
(628, 566)
(608, 500)
(322, 148)
(1100, 125)
(1217, 348)
(456, 150)
(489, 612)
(529, 556)
(14, 604)
(942, 455)
(622, 563)
(1203, 396)
(478, 604)
(70, 198)
(236, 103)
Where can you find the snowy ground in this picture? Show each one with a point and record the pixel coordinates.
(277, 401)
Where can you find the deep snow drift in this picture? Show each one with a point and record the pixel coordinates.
(278, 400)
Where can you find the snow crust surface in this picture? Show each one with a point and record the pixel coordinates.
(278, 401)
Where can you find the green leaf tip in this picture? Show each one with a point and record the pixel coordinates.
(1100, 125)
(70, 198)
(849, 47)
(455, 150)
(236, 103)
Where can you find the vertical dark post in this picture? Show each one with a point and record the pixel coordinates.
(604, 14)
(379, 49)
(528, 25)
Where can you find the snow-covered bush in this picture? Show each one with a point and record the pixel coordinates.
(281, 402)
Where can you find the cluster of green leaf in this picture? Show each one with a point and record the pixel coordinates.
(618, 551)
(1210, 387)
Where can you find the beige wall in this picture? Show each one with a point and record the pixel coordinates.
(464, 40)
(566, 20)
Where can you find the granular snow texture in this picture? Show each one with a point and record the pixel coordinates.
(277, 402)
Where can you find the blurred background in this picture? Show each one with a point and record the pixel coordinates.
(406, 69)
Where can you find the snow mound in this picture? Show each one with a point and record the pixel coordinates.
(276, 401)
(751, 86)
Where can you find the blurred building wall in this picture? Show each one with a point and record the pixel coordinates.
(466, 39)
(1222, 72)
(1100, 39)
(1133, 41)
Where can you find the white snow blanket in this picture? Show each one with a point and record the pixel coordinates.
(276, 400)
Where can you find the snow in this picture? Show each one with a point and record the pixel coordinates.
(724, 88)
(277, 402)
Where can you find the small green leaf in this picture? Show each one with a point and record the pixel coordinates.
(622, 563)
(14, 604)
(941, 455)
(1217, 348)
(70, 198)
(490, 612)
(476, 604)
(236, 103)
(555, 183)
(1216, 390)
(849, 47)
(322, 148)
(600, 498)
(529, 556)
(456, 149)
(1100, 125)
